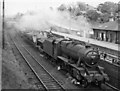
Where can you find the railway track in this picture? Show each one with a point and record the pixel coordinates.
(116, 89)
(46, 79)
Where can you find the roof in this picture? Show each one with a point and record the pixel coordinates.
(112, 25)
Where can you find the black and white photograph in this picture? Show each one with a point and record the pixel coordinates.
(59, 45)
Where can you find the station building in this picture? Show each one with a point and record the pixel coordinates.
(108, 32)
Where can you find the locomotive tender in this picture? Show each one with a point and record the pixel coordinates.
(79, 60)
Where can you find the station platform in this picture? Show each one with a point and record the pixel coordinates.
(91, 41)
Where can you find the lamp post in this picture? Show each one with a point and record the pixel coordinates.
(3, 27)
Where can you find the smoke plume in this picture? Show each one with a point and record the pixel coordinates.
(45, 19)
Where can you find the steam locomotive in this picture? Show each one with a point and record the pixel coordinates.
(78, 59)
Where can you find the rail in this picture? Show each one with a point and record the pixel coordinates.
(116, 89)
(48, 82)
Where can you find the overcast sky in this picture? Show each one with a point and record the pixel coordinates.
(15, 6)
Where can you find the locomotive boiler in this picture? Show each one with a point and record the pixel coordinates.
(77, 51)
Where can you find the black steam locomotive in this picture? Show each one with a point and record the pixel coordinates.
(79, 60)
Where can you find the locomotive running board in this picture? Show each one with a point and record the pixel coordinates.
(73, 65)
(63, 58)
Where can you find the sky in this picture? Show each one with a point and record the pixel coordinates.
(14, 6)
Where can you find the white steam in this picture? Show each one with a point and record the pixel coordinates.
(44, 19)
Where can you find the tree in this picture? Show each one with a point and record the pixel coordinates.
(82, 6)
(104, 18)
(119, 6)
(76, 11)
(62, 7)
(92, 15)
(100, 7)
(70, 9)
(108, 7)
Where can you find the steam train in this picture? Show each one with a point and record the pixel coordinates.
(78, 59)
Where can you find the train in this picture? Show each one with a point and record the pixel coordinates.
(78, 59)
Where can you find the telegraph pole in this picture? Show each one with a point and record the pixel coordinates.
(3, 26)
